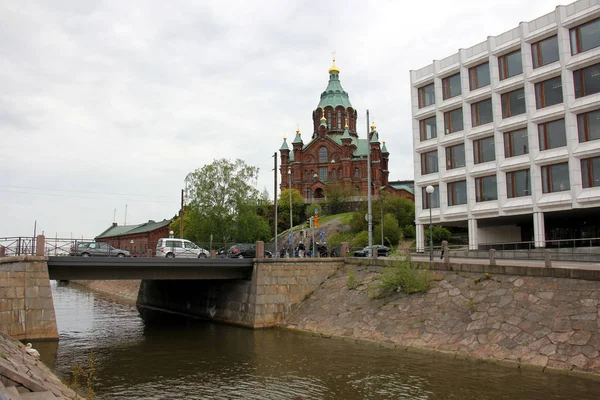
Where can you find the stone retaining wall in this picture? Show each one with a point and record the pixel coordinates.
(540, 321)
(26, 306)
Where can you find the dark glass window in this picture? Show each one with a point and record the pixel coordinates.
(590, 172)
(323, 174)
(585, 37)
(486, 188)
(453, 121)
(545, 52)
(516, 143)
(429, 162)
(323, 154)
(510, 64)
(518, 183)
(426, 95)
(433, 198)
(451, 86)
(428, 128)
(513, 103)
(555, 178)
(548, 93)
(455, 156)
(457, 193)
(588, 126)
(552, 134)
(479, 76)
(484, 150)
(587, 81)
(481, 113)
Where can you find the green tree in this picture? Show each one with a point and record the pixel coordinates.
(439, 233)
(337, 195)
(219, 196)
(391, 231)
(358, 222)
(283, 208)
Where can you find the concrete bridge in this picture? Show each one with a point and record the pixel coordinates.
(114, 268)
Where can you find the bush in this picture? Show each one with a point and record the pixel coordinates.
(439, 234)
(360, 240)
(351, 281)
(404, 276)
(358, 222)
(409, 231)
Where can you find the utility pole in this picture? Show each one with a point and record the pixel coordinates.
(181, 217)
(276, 251)
(369, 205)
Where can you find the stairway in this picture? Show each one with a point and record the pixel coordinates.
(22, 393)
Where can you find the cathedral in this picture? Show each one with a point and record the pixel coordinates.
(334, 153)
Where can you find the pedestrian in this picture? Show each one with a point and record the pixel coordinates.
(444, 247)
(301, 249)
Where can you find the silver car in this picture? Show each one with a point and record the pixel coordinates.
(179, 248)
(97, 249)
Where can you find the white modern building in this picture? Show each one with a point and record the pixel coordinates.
(508, 133)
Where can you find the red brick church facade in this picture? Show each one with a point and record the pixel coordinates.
(334, 153)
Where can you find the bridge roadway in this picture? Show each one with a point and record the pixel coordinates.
(114, 268)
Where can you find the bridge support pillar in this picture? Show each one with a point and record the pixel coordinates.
(28, 310)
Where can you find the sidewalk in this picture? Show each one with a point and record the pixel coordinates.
(588, 266)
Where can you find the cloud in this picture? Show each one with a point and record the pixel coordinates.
(108, 104)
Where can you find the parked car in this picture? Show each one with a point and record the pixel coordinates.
(179, 248)
(97, 249)
(382, 251)
(245, 250)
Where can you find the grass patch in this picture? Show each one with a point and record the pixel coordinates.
(344, 218)
(402, 276)
(351, 281)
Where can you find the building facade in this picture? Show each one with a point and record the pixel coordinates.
(508, 134)
(334, 153)
(140, 240)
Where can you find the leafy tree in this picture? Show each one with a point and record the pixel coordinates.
(337, 195)
(402, 208)
(391, 231)
(358, 222)
(360, 240)
(219, 195)
(283, 208)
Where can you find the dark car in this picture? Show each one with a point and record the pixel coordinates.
(245, 250)
(382, 251)
(97, 249)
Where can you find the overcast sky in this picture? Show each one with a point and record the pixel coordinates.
(106, 106)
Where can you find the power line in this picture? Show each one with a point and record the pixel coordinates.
(82, 191)
(88, 197)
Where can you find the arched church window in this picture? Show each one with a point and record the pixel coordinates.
(357, 190)
(323, 154)
(323, 174)
(333, 174)
(328, 119)
(340, 175)
(305, 174)
(339, 119)
(356, 173)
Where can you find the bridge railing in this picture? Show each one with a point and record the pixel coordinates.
(26, 245)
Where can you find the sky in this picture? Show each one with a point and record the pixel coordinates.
(106, 106)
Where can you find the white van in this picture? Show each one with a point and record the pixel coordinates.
(179, 248)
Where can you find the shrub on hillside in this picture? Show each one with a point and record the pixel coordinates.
(409, 232)
(358, 222)
(403, 276)
(360, 240)
(439, 233)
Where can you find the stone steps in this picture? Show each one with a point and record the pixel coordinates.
(21, 393)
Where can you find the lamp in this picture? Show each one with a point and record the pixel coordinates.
(430, 189)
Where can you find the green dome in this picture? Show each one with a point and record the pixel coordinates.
(334, 95)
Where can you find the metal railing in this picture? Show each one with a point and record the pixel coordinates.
(25, 245)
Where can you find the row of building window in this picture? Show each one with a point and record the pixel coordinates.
(547, 93)
(555, 178)
(324, 174)
(551, 135)
(583, 38)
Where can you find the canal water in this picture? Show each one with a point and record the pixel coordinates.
(190, 359)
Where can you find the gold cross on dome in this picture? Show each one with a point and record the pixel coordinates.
(333, 53)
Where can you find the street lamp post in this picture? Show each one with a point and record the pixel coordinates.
(429, 189)
(291, 224)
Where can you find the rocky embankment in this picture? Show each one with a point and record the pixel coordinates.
(546, 323)
(23, 376)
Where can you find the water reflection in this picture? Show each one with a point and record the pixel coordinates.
(188, 359)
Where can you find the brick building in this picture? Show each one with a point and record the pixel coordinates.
(140, 239)
(334, 152)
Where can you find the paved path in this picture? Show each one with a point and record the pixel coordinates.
(584, 265)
